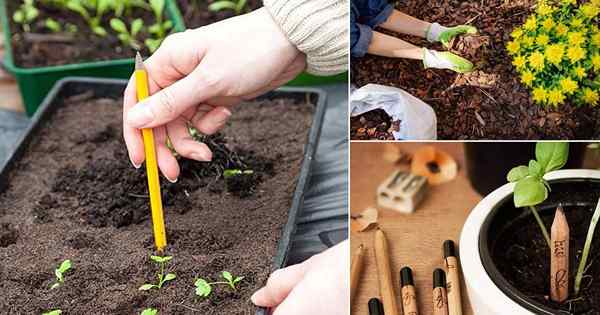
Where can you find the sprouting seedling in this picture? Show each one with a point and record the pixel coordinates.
(235, 172)
(53, 25)
(99, 6)
(531, 189)
(26, 14)
(54, 312)
(204, 288)
(121, 7)
(149, 311)
(586, 248)
(160, 28)
(60, 273)
(236, 6)
(162, 278)
(128, 36)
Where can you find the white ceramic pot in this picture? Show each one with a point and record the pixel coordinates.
(485, 296)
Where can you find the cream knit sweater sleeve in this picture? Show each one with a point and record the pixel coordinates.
(318, 28)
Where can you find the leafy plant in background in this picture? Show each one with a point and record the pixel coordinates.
(121, 7)
(54, 312)
(204, 288)
(60, 273)
(53, 25)
(128, 36)
(236, 6)
(557, 52)
(149, 311)
(26, 14)
(162, 278)
(84, 7)
(160, 28)
(531, 188)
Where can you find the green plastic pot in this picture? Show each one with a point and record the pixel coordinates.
(35, 83)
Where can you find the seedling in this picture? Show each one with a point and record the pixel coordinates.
(236, 6)
(160, 28)
(128, 37)
(60, 272)
(204, 288)
(124, 6)
(83, 7)
(235, 172)
(26, 13)
(162, 278)
(149, 311)
(53, 25)
(531, 188)
(586, 249)
(54, 312)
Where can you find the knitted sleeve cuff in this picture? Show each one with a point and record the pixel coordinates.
(318, 28)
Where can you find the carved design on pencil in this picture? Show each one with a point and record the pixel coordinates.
(409, 295)
(452, 279)
(559, 257)
(440, 299)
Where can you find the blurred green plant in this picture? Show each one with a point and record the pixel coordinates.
(162, 277)
(60, 273)
(160, 28)
(236, 6)
(26, 14)
(128, 36)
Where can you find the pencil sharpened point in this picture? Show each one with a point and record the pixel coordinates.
(139, 62)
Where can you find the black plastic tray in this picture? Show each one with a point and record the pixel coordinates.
(114, 88)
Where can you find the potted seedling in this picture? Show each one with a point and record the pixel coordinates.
(162, 277)
(506, 243)
(204, 288)
(48, 40)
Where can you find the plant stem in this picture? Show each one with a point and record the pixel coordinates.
(541, 224)
(586, 248)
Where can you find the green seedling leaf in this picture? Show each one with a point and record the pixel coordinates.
(153, 44)
(136, 27)
(203, 288)
(160, 259)
(517, 173)
(150, 311)
(158, 7)
(54, 286)
(147, 287)
(53, 26)
(227, 276)
(551, 155)
(19, 17)
(535, 169)
(238, 279)
(529, 191)
(169, 277)
(54, 312)
(222, 5)
(59, 275)
(99, 30)
(118, 25)
(64, 266)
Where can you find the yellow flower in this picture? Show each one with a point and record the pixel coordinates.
(536, 60)
(596, 39)
(590, 10)
(527, 41)
(513, 47)
(576, 38)
(542, 39)
(568, 85)
(519, 62)
(596, 2)
(530, 24)
(539, 94)
(576, 22)
(527, 78)
(561, 29)
(596, 62)
(516, 33)
(575, 53)
(590, 96)
(554, 53)
(548, 24)
(555, 97)
(544, 9)
(568, 2)
(579, 72)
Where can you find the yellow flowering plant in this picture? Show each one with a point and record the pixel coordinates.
(557, 52)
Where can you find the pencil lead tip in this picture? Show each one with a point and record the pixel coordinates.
(139, 62)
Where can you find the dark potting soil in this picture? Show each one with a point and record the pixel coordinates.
(45, 48)
(196, 13)
(74, 195)
(373, 125)
(489, 103)
(522, 255)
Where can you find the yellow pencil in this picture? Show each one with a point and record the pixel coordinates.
(158, 222)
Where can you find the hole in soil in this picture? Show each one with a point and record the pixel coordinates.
(8, 235)
(375, 124)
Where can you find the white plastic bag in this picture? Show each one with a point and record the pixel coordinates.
(417, 119)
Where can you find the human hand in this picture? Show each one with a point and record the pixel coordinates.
(446, 60)
(442, 34)
(316, 286)
(196, 76)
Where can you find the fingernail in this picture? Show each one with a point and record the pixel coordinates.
(201, 156)
(139, 115)
(173, 181)
(221, 117)
(137, 166)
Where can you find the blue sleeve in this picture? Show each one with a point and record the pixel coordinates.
(364, 16)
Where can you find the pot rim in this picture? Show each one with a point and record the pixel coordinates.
(477, 278)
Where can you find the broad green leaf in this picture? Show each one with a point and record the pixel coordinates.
(222, 5)
(551, 155)
(227, 275)
(535, 169)
(150, 311)
(240, 6)
(147, 287)
(203, 288)
(158, 7)
(118, 25)
(54, 312)
(31, 14)
(125, 38)
(529, 191)
(64, 266)
(517, 173)
(19, 17)
(167, 25)
(99, 30)
(170, 276)
(153, 44)
(136, 26)
(53, 25)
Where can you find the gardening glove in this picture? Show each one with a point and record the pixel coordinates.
(446, 60)
(316, 286)
(196, 76)
(439, 33)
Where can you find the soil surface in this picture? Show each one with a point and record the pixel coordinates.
(489, 103)
(523, 258)
(196, 13)
(45, 48)
(74, 195)
(373, 125)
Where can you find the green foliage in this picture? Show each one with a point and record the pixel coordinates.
(85, 8)
(125, 6)
(26, 14)
(128, 36)
(162, 278)
(586, 248)
(160, 28)
(149, 311)
(237, 7)
(236, 172)
(59, 273)
(54, 312)
(53, 25)
(204, 288)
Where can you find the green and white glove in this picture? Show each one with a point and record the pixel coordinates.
(446, 60)
(442, 34)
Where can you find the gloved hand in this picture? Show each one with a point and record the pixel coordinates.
(446, 60)
(439, 33)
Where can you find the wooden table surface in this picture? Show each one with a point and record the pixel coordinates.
(10, 98)
(416, 239)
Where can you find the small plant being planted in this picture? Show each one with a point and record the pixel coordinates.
(162, 277)
(149, 311)
(60, 273)
(204, 288)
